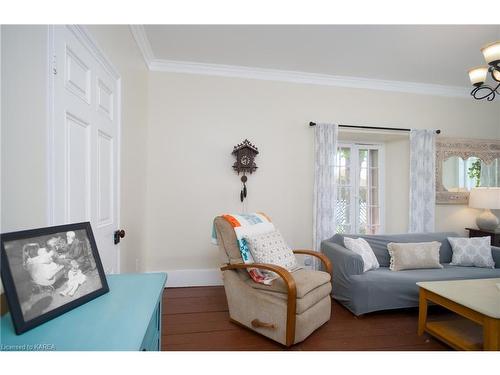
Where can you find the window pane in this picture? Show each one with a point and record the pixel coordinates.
(363, 167)
(374, 158)
(373, 180)
(344, 229)
(363, 195)
(363, 158)
(344, 156)
(343, 207)
(373, 226)
(363, 213)
(343, 175)
(344, 194)
(373, 197)
(363, 177)
(343, 218)
(344, 191)
(343, 215)
(374, 215)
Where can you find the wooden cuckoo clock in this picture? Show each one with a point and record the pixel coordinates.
(245, 153)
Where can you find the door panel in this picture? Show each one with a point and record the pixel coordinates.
(77, 78)
(77, 169)
(105, 179)
(85, 142)
(104, 99)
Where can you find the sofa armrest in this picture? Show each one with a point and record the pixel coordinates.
(345, 262)
(495, 253)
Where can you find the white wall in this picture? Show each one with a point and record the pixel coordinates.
(24, 127)
(195, 120)
(397, 185)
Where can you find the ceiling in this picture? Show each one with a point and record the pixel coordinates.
(439, 54)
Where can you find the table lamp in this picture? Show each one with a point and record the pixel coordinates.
(487, 198)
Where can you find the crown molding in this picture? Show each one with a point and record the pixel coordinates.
(173, 66)
(142, 41)
(235, 71)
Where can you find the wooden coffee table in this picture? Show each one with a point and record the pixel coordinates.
(478, 304)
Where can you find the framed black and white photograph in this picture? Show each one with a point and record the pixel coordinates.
(49, 271)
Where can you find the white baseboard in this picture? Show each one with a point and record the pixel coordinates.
(195, 277)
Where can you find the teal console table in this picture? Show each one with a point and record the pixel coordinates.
(126, 318)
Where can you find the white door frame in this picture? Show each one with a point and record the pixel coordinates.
(84, 36)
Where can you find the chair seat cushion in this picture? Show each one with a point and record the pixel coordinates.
(305, 280)
(305, 303)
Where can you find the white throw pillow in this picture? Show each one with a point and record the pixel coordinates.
(410, 256)
(271, 248)
(471, 252)
(362, 248)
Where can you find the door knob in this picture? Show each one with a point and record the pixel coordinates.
(119, 234)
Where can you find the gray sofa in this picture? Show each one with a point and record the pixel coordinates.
(383, 289)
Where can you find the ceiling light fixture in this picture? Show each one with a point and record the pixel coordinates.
(478, 75)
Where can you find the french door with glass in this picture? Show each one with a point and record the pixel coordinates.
(359, 188)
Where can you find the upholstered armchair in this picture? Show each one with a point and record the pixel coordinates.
(288, 310)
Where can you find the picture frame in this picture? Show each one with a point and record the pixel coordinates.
(464, 148)
(47, 272)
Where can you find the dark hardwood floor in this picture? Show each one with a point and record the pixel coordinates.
(197, 319)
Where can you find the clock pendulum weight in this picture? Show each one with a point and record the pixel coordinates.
(243, 192)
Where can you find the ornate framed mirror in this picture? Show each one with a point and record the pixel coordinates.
(462, 164)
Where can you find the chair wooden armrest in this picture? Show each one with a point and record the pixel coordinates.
(291, 289)
(324, 259)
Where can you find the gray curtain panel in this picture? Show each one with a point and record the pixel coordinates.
(422, 180)
(325, 184)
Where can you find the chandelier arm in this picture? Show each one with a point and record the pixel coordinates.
(497, 89)
(490, 93)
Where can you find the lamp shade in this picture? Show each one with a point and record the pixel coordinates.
(478, 75)
(485, 197)
(491, 53)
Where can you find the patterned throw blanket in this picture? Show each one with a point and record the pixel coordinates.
(245, 225)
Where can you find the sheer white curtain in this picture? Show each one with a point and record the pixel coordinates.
(325, 189)
(422, 180)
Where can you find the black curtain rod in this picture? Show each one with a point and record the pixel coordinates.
(373, 127)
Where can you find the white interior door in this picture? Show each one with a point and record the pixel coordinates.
(85, 141)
